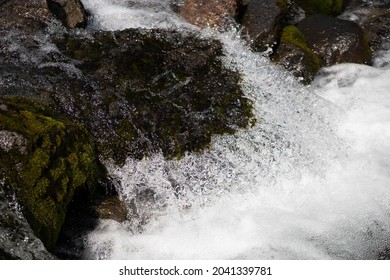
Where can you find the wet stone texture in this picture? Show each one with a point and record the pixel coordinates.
(209, 13)
(262, 21)
(70, 12)
(335, 40)
(17, 241)
(69, 97)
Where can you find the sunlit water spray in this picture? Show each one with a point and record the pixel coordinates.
(310, 180)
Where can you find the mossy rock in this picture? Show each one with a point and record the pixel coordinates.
(45, 160)
(294, 54)
(159, 91)
(138, 92)
(328, 7)
(335, 40)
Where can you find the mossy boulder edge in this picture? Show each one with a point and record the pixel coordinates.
(47, 159)
(295, 55)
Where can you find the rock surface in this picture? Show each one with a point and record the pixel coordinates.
(131, 93)
(17, 242)
(17, 14)
(70, 12)
(263, 22)
(294, 55)
(209, 13)
(109, 82)
(112, 208)
(334, 40)
(44, 162)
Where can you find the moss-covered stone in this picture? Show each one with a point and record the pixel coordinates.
(157, 91)
(328, 7)
(335, 40)
(294, 54)
(57, 157)
(137, 92)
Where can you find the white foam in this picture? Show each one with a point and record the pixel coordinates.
(122, 14)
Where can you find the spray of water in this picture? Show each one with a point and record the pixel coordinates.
(310, 180)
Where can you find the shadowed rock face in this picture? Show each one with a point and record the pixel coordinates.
(112, 208)
(45, 160)
(209, 13)
(70, 12)
(262, 22)
(334, 40)
(16, 238)
(137, 92)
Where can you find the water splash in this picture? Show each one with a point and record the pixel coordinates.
(309, 180)
(122, 14)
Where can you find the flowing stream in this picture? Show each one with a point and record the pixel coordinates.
(311, 180)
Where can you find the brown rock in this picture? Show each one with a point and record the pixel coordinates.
(70, 12)
(27, 15)
(335, 40)
(112, 208)
(209, 13)
(262, 22)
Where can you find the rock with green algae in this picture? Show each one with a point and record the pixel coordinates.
(328, 7)
(335, 40)
(294, 54)
(137, 91)
(154, 91)
(44, 160)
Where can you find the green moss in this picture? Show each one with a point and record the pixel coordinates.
(283, 4)
(328, 7)
(294, 36)
(59, 157)
(155, 92)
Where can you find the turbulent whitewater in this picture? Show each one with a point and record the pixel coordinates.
(310, 180)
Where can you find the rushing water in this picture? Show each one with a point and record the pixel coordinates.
(310, 180)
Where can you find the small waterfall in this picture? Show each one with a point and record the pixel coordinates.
(310, 180)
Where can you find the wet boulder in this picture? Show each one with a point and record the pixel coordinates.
(17, 242)
(209, 13)
(374, 18)
(44, 161)
(328, 7)
(71, 12)
(263, 22)
(112, 208)
(334, 40)
(17, 14)
(156, 92)
(294, 55)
